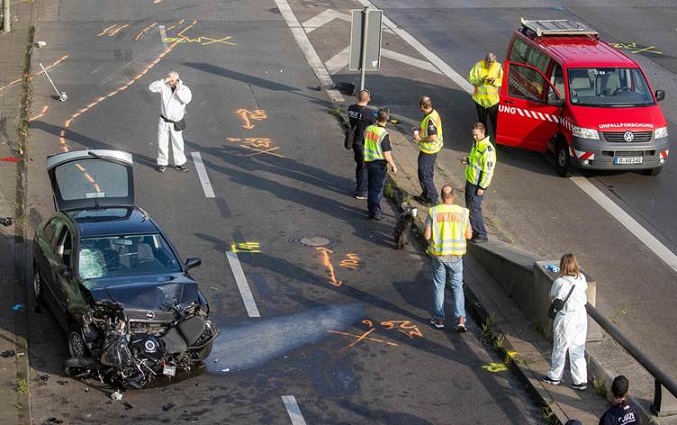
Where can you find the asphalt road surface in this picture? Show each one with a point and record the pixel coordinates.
(335, 330)
(527, 204)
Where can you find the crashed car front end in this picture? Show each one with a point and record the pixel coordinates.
(131, 347)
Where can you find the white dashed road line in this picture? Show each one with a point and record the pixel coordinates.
(293, 410)
(242, 285)
(202, 174)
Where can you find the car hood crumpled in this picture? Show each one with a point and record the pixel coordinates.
(154, 293)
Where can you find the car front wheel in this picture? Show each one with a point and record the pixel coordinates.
(76, 343)
(563, 159)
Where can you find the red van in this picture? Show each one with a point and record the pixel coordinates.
(567, 92)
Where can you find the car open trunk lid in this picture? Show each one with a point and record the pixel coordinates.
(93, 178)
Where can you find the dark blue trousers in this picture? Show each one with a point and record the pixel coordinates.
(360, 169)
(473, 202)
(376, 177)
(426, 172)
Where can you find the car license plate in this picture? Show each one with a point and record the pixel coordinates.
(169, 370)
(625, 160)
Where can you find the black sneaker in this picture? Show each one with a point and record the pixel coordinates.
(580, 387)
(549, 380)
(161, 168)
(182, 168)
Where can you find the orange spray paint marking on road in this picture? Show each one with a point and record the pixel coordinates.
(143, 32)
(405, 326)
(63, 58)
(117, 30)
(330, 267)
(105, 30)
(62, 133)
(247, 115)
(351, 262)
(41, 114)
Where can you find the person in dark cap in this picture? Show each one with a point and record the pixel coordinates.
(622, 410)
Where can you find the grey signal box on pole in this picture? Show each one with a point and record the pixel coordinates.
(365, 40)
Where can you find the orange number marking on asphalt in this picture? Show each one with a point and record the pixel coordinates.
(405, 326)
(330, 267)
(352, 261)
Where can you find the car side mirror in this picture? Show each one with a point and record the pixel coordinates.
(192, 262)
(660, 95)
(65, 271)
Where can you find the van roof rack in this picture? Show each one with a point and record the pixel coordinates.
(543, 27)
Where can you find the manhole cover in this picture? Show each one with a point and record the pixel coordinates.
(315, 241)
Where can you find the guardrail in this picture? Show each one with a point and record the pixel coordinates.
(661, 379)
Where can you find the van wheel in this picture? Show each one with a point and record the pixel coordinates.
(652, 171)
(562, 158)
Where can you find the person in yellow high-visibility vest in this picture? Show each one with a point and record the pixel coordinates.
(430, 141)
(486, 76)
(447, 228)
(377, 156)
(479, 171)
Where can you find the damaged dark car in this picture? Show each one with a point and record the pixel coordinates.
(113, 280)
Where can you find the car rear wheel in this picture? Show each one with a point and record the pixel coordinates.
(563, 160)
(76, 343)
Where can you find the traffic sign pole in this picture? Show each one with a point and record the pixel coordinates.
(363, 56)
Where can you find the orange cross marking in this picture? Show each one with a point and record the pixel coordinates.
(362, 337)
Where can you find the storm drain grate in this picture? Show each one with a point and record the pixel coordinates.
(315, 241)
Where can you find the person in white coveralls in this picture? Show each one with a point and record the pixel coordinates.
(570, 326)
(174, 97)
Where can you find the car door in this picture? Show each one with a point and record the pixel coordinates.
(529, 110)
(60, 265)
(91, 179)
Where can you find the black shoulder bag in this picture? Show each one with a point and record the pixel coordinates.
(558, 304)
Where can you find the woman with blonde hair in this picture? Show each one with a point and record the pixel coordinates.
(570, 326)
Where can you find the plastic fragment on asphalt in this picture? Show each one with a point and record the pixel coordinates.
(44, 377)
(225, 370)
(116, 395)
(168, 406)
(18, 307)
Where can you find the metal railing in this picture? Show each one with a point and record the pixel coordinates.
(661, 378)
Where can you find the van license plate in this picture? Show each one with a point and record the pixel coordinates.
(628, 160)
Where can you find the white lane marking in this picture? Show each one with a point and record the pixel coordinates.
(432, 58)
(602, 200)
(293, 410)
(242, 285)
(202, 174)
(409, 60)
(635, 228)
(339, 61)
(324, 18)
(326, 83)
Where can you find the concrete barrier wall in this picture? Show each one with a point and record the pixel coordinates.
(527, 282)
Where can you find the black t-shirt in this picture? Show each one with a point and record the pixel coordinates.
(360, 117)
(625, 413)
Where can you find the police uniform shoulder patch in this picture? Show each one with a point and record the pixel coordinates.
(490, 164)
(490, 148)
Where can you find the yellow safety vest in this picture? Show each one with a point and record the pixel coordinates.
(449, 224)
(486, 95)
(424, 144)
(481, 163)
(373, 136)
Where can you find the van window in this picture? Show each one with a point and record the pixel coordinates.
(557, 79)
(609, 87)
(526, 82)
(523, 53)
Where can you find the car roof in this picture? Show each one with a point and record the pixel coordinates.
(112, 221)
(582, 51)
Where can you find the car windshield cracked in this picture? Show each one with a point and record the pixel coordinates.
(124, 255)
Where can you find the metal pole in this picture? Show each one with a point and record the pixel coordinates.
(6, 22)
(363, 58)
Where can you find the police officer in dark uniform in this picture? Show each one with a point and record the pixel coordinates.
(622, 410)
(360, 117)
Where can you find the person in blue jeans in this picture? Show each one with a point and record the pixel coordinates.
(447, 228)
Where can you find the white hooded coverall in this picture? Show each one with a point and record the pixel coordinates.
(570, 328)
(172, 107)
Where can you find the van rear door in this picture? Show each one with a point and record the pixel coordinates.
(529, 110)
